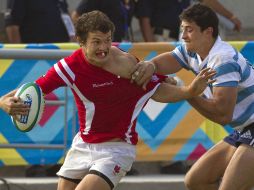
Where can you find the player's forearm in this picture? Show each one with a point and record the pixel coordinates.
(165, 64)
(211, 110)
(171, 93)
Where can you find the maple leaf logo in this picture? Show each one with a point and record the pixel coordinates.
(116, 169)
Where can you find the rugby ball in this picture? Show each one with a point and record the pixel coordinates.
(31, 95)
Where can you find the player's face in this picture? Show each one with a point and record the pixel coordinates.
(193, 37)
(97, 47)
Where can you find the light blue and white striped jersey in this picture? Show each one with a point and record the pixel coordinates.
(233, 70)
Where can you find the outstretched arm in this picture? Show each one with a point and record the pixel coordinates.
(163, 64)
(172, 93)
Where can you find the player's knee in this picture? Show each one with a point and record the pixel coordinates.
(195, 180)
(190, 181)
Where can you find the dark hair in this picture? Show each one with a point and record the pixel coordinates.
(203, 16)
(91, 22)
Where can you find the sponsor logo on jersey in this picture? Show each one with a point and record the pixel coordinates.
(103, 84)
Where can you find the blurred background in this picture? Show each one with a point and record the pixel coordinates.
(165, 147)
(242, 9)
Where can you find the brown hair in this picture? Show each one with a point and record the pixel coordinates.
(203, 16)
(91, 22)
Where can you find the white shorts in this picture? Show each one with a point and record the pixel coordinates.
(109, 160)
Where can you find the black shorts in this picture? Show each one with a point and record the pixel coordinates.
(246, 136)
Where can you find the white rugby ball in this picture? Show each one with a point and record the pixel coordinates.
(32, 95)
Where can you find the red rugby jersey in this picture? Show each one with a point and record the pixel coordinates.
(107, 105)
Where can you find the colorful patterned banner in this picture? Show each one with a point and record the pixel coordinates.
(173, 131)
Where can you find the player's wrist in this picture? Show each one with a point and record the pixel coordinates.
(191, 91)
